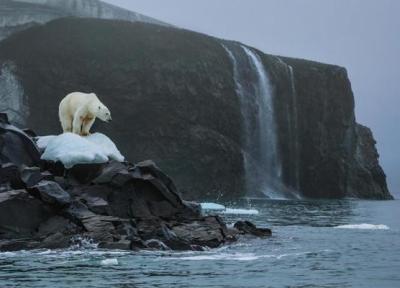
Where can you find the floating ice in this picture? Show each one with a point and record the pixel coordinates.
(109, 262)
(212, 206)
(207, 206)
(364, 226)
(72, 149)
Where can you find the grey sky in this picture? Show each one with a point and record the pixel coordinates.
(362, 35)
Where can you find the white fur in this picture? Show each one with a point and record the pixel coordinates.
(77, 112)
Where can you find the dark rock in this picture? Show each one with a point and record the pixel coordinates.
(21, 214)
(246, 227)
(156, 244)
(57, 240)
(118, 205)
(367, 178)
(96, 204)
(10, 174)
(30, 176)
(18, 244)
(16, 147)
(57, 224)
(85, 173)
(203, 232)
(50, 192)
(109, 172)
(120, 245)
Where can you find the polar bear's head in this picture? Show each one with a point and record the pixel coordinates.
(103, 113)
(99, 110)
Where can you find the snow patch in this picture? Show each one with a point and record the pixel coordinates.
(363, 226)
(71, 149)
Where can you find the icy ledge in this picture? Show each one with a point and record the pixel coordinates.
(71, 149)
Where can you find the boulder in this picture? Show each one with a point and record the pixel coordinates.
(21, 214)
(246, 227)
(16, 146)
(51, 193)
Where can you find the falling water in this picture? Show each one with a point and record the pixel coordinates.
(295, 136)
(260, 144)
(266, 118)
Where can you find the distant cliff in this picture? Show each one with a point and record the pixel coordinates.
(200, 107)
(17, 15)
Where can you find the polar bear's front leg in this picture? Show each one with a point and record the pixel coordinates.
(87, 124)
(66, 123)
(78, 121)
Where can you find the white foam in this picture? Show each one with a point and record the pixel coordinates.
(109, 262)
(208, 206)
(240, 211)
(222, 256)
(239, 256)
(72, 149)
(364, 226)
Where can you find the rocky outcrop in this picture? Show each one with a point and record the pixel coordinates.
(117, 205)
(174, 99)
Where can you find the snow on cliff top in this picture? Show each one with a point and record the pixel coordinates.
(72, 149)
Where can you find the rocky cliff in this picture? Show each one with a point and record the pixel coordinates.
(177, 98)
(17, 15)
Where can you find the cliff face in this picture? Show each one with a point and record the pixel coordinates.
(175, 98)
(17, 15)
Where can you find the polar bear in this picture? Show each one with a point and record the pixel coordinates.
(77, 112)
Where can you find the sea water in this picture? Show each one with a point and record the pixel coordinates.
(336, 243)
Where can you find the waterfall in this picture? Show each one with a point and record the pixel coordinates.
(294, 131)
(261, 156)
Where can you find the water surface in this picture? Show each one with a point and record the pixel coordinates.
(314, 244)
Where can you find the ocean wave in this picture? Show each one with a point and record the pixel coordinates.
(364, 226)
(239, 256)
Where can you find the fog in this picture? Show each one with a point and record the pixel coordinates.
(362, 35)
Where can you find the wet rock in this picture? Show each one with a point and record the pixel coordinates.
(156, 244)
(96, 204)
(120, 245)
(246, 227)
(50, 192)
(9, 174)
(30, 176)
(203, 232)
(18, 244)
(57, 240)
(85, 173)
(16, 146)
(109, 171)
(118, 205)
(21, 214)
